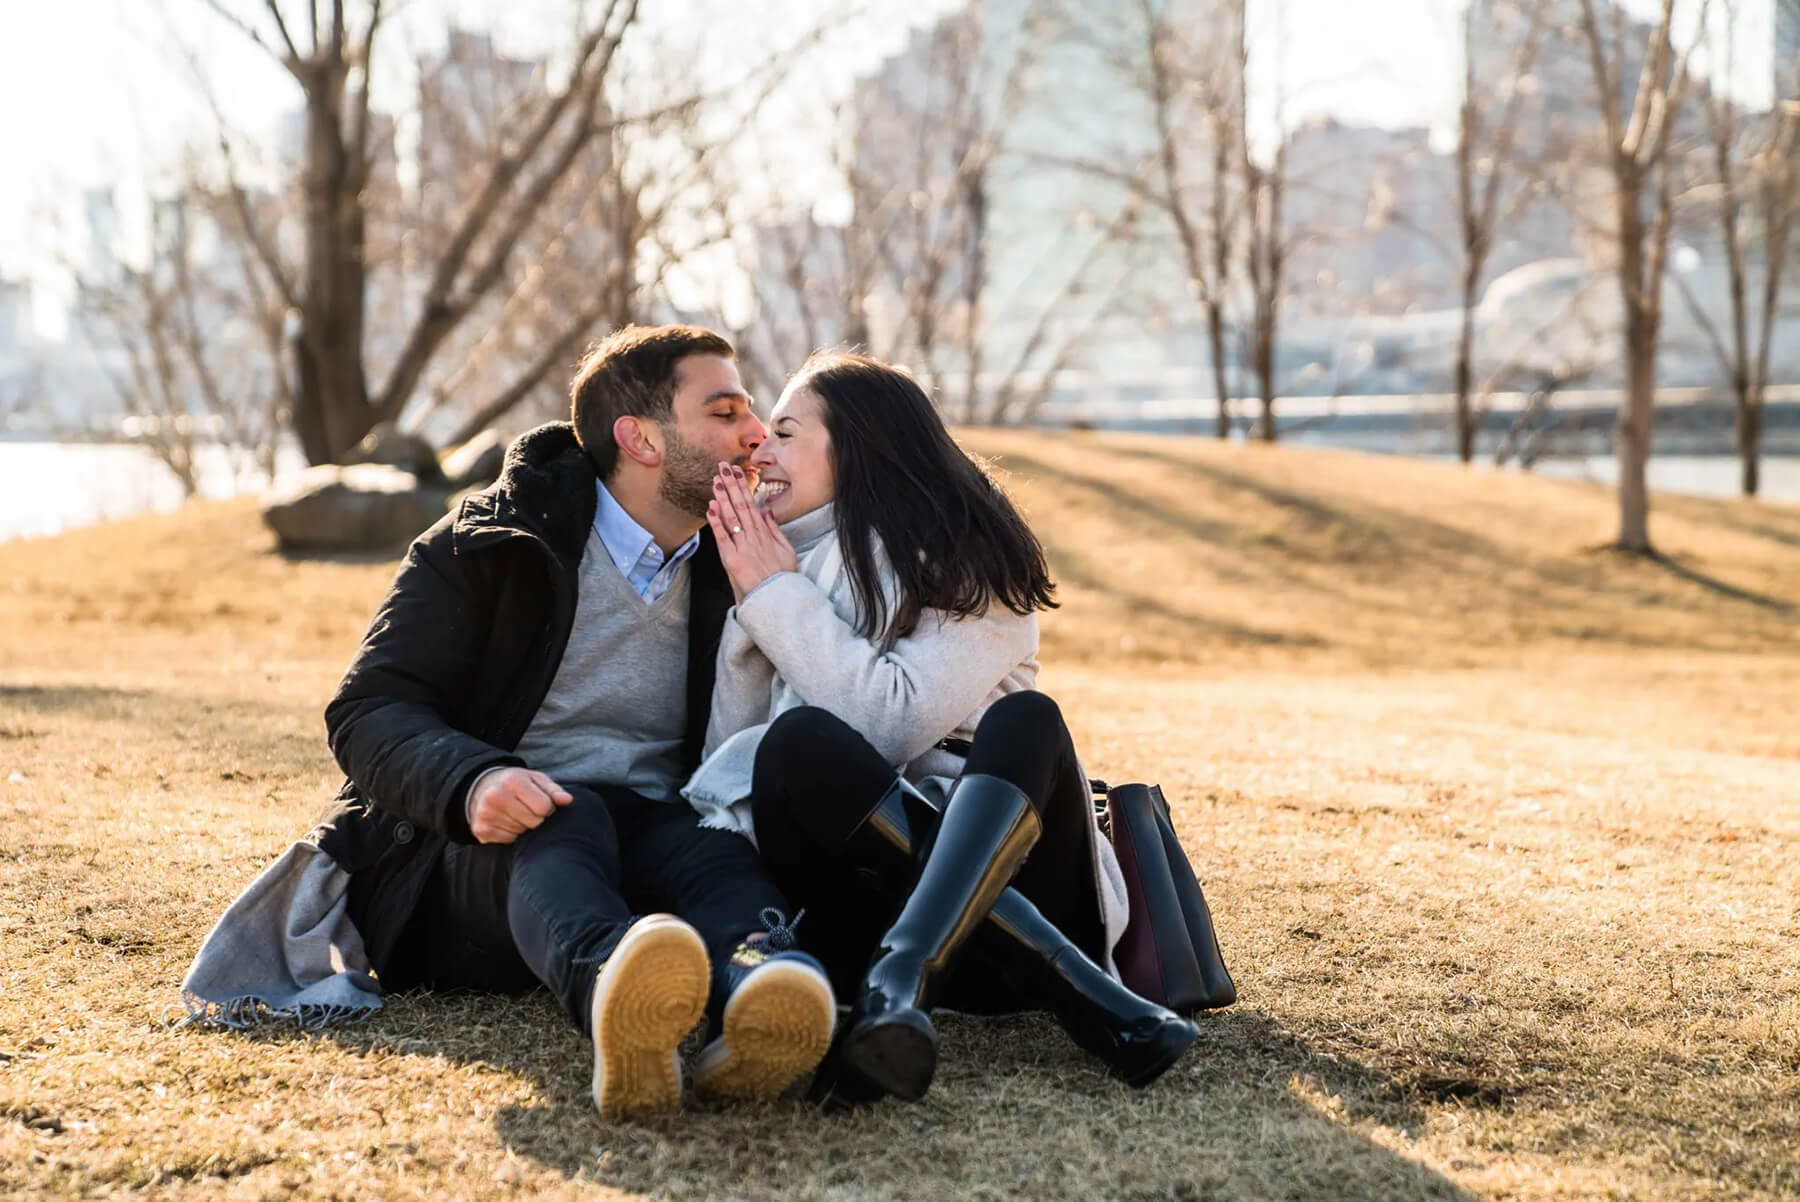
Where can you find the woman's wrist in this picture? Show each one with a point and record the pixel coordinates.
(758, 586)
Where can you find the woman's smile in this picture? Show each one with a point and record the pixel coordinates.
(795, 459)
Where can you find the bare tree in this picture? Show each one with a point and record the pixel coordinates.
(1756, 185)
(1489, 190)
(539, 215)
(172, 342)
(335, 399)
(922, 152)
(1066, 321)
(1638, 158)
(1188, 76)
(1267, 241)
(922, 145)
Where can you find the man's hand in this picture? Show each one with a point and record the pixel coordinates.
(507, 802)
(751, 545)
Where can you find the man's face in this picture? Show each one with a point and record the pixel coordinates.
(712, 424)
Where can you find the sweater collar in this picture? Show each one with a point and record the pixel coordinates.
(810, 529)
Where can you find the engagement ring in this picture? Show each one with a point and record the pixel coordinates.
(737, 529)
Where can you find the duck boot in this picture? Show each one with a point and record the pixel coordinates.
(771, 1019)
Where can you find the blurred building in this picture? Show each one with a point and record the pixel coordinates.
(1001, 165)
(994, 165)
(801, 278)
(1786, 60)
(15, 314)
(470, 96)
(20, 365)
(474, 104)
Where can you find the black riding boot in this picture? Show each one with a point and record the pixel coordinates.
(1137, 1039)
(987, 828)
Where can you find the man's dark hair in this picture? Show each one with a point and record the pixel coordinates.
(950, 535)
(631, 373)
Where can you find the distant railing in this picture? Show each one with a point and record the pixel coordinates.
(1350, 404)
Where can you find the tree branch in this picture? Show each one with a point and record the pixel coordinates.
(555, 351)
(287, 40)
(441, 310)
(290, 61)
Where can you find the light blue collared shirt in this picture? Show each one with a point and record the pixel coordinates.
(634, 549)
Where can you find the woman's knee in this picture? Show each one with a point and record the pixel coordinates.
(789, 752)
(814, 778)
(1027, 718)
(799, 732)
(809, 750)
(1021, 739)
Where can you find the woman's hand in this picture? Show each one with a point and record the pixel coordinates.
(751, 543)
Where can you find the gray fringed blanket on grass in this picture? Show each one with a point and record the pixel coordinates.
(285, 949)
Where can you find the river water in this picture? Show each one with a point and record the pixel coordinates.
(48, 487)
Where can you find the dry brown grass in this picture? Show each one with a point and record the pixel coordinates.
(1502, 834)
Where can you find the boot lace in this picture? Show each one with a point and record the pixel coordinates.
(780, 937)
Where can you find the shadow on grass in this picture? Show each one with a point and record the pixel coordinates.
(1435, 545)
(141, 708)
(77, 699)
(1016, 1111)
(1713, 584)
(389, 554)
(1144, 603)
(1229, 539)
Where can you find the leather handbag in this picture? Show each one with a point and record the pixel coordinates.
(1169, 952)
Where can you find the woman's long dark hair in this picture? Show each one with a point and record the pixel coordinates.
(953, 540)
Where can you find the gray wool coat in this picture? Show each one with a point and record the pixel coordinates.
(793, 641)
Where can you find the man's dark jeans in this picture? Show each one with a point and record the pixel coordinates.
(552, 906)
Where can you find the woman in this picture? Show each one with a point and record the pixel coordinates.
(887, 594)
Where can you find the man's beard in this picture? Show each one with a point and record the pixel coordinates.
(687, 477)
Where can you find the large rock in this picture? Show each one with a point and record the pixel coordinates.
(355, 507)
(477, 463)
(386, 444)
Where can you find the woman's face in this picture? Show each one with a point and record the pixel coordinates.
(795, 460)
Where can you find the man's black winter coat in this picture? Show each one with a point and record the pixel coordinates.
(455, 665)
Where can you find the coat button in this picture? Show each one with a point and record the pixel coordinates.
(403, 832)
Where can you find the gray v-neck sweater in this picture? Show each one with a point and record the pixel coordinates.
(617, 710)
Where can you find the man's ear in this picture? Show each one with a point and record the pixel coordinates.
(639, 440)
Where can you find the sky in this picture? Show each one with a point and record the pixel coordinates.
(96, 91)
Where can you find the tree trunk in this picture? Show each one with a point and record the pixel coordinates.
(331, 403)
(1265, 372)
(1749, 443)
(1215, 332)
(1465, 372)
(1632, 445)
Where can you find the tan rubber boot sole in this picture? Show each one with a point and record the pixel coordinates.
(777, 1027)
(648, 996)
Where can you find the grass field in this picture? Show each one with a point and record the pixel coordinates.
(1501, 832)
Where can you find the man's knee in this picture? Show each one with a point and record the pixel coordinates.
(583, 827)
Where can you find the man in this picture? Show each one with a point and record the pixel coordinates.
(518, 721)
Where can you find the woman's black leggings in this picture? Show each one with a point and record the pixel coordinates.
(816, 779)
